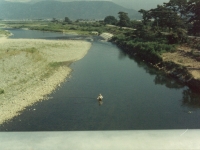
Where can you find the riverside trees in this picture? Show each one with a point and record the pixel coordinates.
(193, 9)
(160, 29)
(176, 16)
(110, 20)
(67, 20)
(124, 20)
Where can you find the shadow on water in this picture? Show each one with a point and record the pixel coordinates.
(190, 98)
(160, 77)
(136, 96)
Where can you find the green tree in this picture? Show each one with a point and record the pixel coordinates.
(179, 35)
(194, 15)
(178, 6)
(166, 18)
(110, 20)
(124, 20)
(67, 20)
(146, 16)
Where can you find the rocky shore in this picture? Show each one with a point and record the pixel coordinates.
(30, 69)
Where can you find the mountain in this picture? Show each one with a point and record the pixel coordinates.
(140, 4)
(56, 9)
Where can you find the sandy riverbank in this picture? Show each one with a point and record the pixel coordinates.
(184, 57)
(30, 69)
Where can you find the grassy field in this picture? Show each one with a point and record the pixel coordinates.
(81, 28)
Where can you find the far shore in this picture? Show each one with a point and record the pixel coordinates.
(30, 69)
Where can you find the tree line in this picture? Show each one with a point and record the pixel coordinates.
(178, 16)
(160, 29)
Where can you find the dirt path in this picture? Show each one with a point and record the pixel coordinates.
(31, 69)
(187, 57)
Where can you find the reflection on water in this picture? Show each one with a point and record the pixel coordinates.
(167, 81)
(191, 99)
(100, 102)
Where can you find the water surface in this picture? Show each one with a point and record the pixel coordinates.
(136, 96)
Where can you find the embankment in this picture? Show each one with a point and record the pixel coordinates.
(175, 62)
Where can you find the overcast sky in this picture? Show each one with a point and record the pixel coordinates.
(134, 4)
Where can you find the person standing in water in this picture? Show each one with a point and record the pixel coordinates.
(100, 97)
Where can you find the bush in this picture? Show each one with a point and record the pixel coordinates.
(1, 91)
(149, 51)
(72, 28)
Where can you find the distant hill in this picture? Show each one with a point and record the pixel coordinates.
(55, 9)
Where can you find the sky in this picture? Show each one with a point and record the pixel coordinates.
(134, 4)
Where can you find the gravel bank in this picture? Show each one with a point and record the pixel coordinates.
(30, 69)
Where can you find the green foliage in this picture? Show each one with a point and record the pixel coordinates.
(178, 36)
(124, 20)
(148, 51)
(119, 38)
(176, 14)
(145, 16)
(67, 20)
(110, 20)
(174, 17)
(76, 27)
(193, 8)
(195, 30)
(135, 24)
(164, 17)
(2, 91)
(178, 6)
(55, 64)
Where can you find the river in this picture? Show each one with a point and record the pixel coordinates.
(136, 96)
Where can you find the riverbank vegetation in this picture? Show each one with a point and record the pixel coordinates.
(163, 30)
(75, 27)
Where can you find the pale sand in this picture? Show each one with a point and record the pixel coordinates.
(25, 74)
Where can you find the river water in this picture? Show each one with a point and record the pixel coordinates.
(136, 96)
